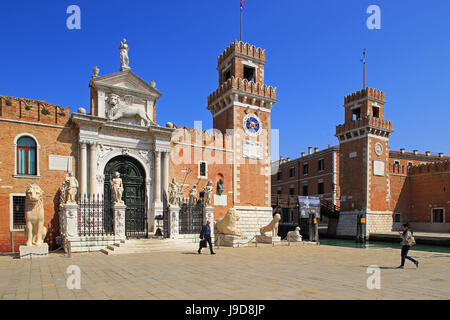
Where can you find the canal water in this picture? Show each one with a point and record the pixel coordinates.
(381, 244)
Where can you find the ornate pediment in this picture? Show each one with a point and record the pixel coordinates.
(126, 82)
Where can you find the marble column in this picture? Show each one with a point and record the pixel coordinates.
(165, 173)
(157, 183)
(93, 190)
(83, 168)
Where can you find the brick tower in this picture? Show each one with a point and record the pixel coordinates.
(364, 168)
(242, 106)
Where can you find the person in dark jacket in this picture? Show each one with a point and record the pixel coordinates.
(406, 235)
(205, 234)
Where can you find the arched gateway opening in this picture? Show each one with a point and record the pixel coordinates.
(134, 194)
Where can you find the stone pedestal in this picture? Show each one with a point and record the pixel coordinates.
(174, 222)
(119, 221)
(267, 239)
(225, 240)
(33, 252)
(220, 201)
(209, 215)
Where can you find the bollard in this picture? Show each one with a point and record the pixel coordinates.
(69, 250)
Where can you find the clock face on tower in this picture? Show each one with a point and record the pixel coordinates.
(252, 125)
(378, 149)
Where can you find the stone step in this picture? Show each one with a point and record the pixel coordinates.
(149, 245)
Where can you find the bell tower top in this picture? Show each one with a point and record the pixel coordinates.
(242, 60)
(363, 104)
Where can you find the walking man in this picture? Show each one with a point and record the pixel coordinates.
(407, 241)
(205, 235)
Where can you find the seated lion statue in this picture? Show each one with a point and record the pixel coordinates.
(34, 216)
(272, 226)
(227, 225)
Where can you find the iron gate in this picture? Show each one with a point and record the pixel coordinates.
(191, 218)
(134, 194)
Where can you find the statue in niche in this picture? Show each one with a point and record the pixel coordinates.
(220, 187)
(117, 188)
(208, 190)
(124, 59)
(193, 195)
(70, 188)
(174, 193)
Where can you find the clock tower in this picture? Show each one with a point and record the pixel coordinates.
(364, 166)
(241, 107)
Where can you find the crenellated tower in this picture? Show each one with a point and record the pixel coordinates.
(364, 171)
(243, 104)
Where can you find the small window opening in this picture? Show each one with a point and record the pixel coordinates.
(249, 73)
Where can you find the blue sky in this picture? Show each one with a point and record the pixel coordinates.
(313, 57)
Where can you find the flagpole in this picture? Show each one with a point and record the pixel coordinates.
(364, 68)
(241, 20)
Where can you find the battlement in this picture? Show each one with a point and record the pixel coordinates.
(203, 138)
(30, 110)
(434, 167)
(398, 169)
(242, 48)
(365, 93)
(368, 121)
(245, 86)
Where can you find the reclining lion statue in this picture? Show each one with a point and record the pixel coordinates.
(34, 216)
(272, 226)
(227, 225)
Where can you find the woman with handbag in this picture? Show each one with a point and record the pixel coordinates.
(407, 241)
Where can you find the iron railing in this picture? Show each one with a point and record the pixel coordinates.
(94, 218)
(191, 218)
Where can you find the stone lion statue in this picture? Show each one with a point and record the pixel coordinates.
(294, 236)
(227, 225)
(34, 216)
(272, 226)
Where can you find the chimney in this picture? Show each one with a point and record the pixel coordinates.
(316, 149)
(303, 154)
(416, 152)
(309, 150)
(441, 155)
(427, 153)
(402, 150)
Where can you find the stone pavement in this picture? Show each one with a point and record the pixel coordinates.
(281, 272)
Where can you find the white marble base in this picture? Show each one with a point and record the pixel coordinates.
(267, 239)
(33, 252)
(224, 240)
(220, 201)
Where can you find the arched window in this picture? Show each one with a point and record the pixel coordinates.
(26, 156)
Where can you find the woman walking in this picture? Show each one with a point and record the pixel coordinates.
(407, 242)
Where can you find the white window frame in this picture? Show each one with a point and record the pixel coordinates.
(443, 215)
(290, 170)
(303, 169)
(16, 161)
(323, 161)
(11, 211)
(206, 170)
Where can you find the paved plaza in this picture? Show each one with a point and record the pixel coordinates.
(293, 272)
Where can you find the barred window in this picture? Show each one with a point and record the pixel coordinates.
(203, 171)
(18, 212)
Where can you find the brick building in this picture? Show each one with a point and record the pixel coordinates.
(362, 174)
(42, 142)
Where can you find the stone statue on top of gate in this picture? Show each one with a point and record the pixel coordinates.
(117, 188)
(70, 188)
(208, 190)
(174, 193)
(193, 195)
(118, 109)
